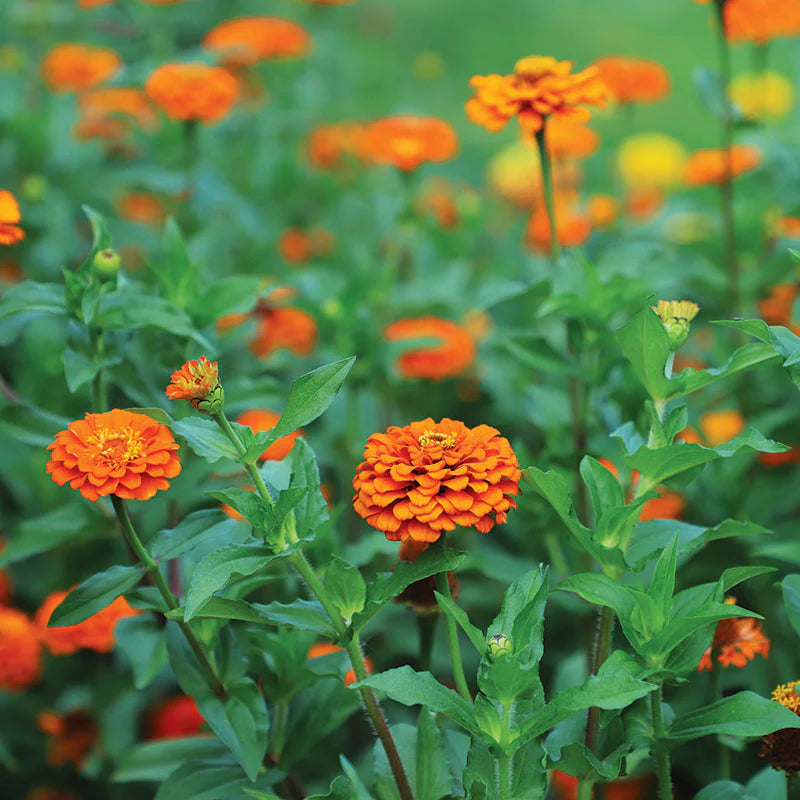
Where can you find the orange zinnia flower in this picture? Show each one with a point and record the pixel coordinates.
(175, 718)
(93, 3)
(95, 633)
(105, 111)
(77, 67)
(260, 419)
(454, 353)
(573, 227)
(121, 453)
(709, 166)
(248, 40)
(603, 210)
(20, 651)
(736, 641)
(193, 91)
(719, 427)
(330, 145)
(71, 737)
(426, 478)
(781, 749)
(141, 207)
(774, 460)
(10, 232)
(569, 139)
(298, 246)
(760, 21)
(776, 308)
(669, 505)
(325, 649)
(284, 327)
(198, 382)
(408, 141)
(633, 80)
(539, 87)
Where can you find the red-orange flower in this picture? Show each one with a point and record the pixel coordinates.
(175, 718)
(261, 419)
(565, 787)
(325, 649)
(77, 67)
(776, 308)
(709, 166)
(248, 40)
(109, 112)
(48, 793)
(539, 87)
(298, 246)
(193, 91)
(10, 232)
(141, 207)
(95, 633)
(569, 139)
(421, 480)
(573, 226)
(781, 749)
(454, 353)
(438, 199)
(198, 382)
(20, 651)
(71, 736)
(408, 141)
(668, 505)
(329, 146)
(775, 460)
(633, 80)
(284, 327)
(736, 641)
(121, 453)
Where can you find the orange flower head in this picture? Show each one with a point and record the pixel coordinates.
(93, 3)
(198, 382)
(247, 40)
(539, 87)
(438, 199)
(284, 327)
(573, 226)
(781, 749)
(637, 787)
(633, 80)
(719, 427)
(141, 207)
(428, 477)
(78, 67)
(408, 141)
(669, 505)
(329, 146)
(71, 737)
(603, 210)
(295, 246)
(736, 642)
(569, 139)
(10, 232)
(20, 651)
(325, 649)
(258, 419)
(193, 91)
(106, 113)
(776, 308)
(709, 166)
(95, 633)
(760, 21)
(175, 718)
(454, 353)
(121, 453)
(775, 460)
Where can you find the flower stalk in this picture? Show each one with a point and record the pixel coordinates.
(661, 755)
(443, 587)
(547, 183)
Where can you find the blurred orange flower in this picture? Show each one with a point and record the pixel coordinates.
(573, 226)
(426, 478)
(736, 641)
(776, 308)
(669, 505)
(328, 2)
(282, 327)
(298, 246)
(330, 145)
(569, 139)
(325, 649)
(93, 3)
(261, 419)
(48, 793)
(77, 67)
(438, 199)
(20, 651)
(454, 353)
(603, 210)
(10, 232)
(643, 202)
(175, 718)
(775, 460)
(709, 166)
(121, 453)
(247, 40)
(193, 91)
(760, 21)
(95, 633)
(142, 207)
(633, 80)
(565, 787)
(407, 141)
(540, 86)
(719, 427)
(106, 113)
(71, 736)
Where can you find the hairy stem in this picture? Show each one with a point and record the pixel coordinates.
(443, 587)
(662, 756)
(601, 650)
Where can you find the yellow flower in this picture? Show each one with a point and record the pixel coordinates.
(652, 160)
(676, 316)
(768, 95)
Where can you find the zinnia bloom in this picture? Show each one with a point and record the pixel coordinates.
(284, 327)
(71, 736)
(719, 427)
(77, 67)
(193, 91)
(454, 354)
(709, 166)
(248, 40)
(781, 749)
(421, 480)
(603, 210)
(651, 160)
(95, 633)
(121, 453)
(764, 95)
(540, 86)
(736, 641)
(638, 787)
(261, 419)
(408, 141)
(198, 382)
(776, 308)
(105, 112)
(668, 505)
(175, 718)
(298, 246)
(569, 139)
(325, 649)
(573, 226)
(329, 146)
(141, 207)
(10, 232)
(20, 651)
(633, 80)
(760, 21)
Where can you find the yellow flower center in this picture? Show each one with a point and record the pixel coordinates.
(786, 695)
(435, 439)
(117, 447)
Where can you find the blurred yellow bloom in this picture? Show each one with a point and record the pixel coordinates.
(768, 95)
(652, 160)
(721, 426)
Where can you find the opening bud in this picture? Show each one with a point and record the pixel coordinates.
(676, 316)
(198, 382)
(499, 645)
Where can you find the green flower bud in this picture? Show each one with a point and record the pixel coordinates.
(499, 645)
(106, 263)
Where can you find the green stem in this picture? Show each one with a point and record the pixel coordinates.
(585, 790)
(443, 587)
(547, 182)
(277, 736)
(98, 385)
(252, 469)
(505, 767)
(426, 624)
(556, 553)
(601, 650)
(662, 756)
(154, 573)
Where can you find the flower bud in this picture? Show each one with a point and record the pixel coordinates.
(499, 645)
(106, 263)
(676, 316)
(198, 382)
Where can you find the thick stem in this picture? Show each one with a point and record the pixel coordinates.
(505, 767)
(426, 625)
(662, 756)
(601, 651)
(443, 587)
(547, 183)
(154, 573)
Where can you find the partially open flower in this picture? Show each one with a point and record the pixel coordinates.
(20, 651)
(198, 382)
(676, 316)
(736, 642)
(71, 736)
(782, 748)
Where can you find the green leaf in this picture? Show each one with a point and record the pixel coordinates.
(212, 780)
(176, 274)
(742, 714)
(156, 761)
(205, 438)
(141, 639)
(78, 368)
(457, 613)
(645, 344)
(25, 301)
(790, 586)
(209, 525)
(94, 594)
(662, 584)
(433, 777)
(101, 238)
(604, 489)
(346, 587)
